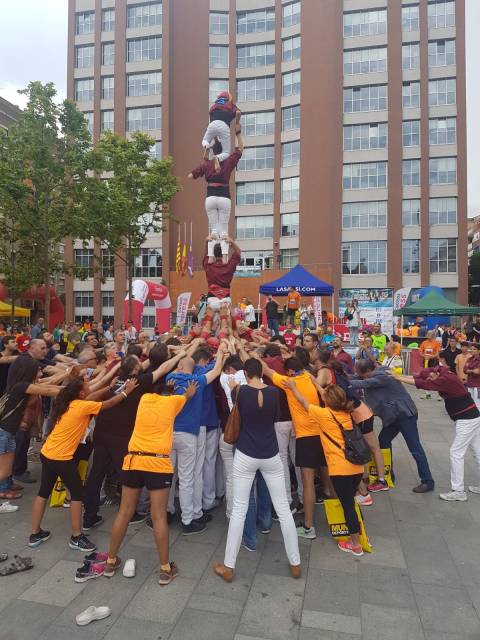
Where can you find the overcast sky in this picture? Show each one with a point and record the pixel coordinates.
(40, 54)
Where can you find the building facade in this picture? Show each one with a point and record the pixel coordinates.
(9, 114)
(473, 235)
(354, 123)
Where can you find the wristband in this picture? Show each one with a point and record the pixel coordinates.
(125, 395)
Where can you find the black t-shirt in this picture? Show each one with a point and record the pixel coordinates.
(461, 408)
(272, 310)
(257, 431)
(118, 422)
(15, 406)
(449, 356)
(4, 369)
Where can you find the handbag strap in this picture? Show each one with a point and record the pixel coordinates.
(342, 429)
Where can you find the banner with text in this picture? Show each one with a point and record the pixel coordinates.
(375, 306)
(183, 302)
(317, 310)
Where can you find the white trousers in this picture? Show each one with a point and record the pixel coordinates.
(184, 457)
(218, 212)
(244, 470)
(286, 445)
(226, 453)
(221, 130)
(209, 468)
(475, 393)
(215, 303)
(467, 434)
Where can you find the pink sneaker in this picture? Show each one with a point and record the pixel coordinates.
(364, 501)
(378, 485)
(89, 571)
(347, 546)
(97, 557)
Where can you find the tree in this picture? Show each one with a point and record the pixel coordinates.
(132, 201)
(474, 279)
(47, 181)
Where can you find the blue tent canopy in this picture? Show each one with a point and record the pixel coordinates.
(304, 282)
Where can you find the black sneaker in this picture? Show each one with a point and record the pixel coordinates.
(91, 524)
(36, 539)
(205, 519)
(193, 528)
(81, 543)
(137, 518)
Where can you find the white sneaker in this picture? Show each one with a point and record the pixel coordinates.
(90, 614)
(454, 495)
(474, 489)
(6, 507)
(129, 568)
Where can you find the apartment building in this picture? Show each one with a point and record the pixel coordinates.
(354, 123)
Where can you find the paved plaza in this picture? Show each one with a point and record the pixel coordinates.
(422, 581)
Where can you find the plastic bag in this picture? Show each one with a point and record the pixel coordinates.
(59, 491)
(338, 526)
(387, 461)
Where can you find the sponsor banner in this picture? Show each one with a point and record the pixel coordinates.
(375, 306)
(183, 302)
(317, 310)
(400, 298)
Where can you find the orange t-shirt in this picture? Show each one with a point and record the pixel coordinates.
(303, 424)
(293, 300)
(430, 349)
(63, 441)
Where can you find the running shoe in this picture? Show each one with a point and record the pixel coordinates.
(378, 485)
(6, 507)
(167, 576)
(305, 532)
(364, 501)
(451, 496)
(137, 518)
(97, 557)
(347, 546)
(90, 524)
(89, 571)
(474, 489)
(111, 567)
(81, 543)
(193, 528)
(36, 539)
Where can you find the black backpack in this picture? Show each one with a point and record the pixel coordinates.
(356, 449)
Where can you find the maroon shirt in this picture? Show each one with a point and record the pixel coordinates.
(458, 402)
(344, 359)
(473, 379)
(224, 112)
(219, 275)
(222, 178)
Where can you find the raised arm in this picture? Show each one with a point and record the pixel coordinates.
(235, 247)
(36, 389)
(217, 369)
(240, 142)
(403, 378)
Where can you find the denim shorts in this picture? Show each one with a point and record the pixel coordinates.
(7, 442)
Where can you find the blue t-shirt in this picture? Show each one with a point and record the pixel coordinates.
(188, 420)
(328, 338)
(257, 424)
(209, 417)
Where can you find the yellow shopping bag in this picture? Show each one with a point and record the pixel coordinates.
(387, 461)
(59, 491)
(338, 526)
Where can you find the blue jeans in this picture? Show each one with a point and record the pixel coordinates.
(407, 426)
(273, 325)
(259, 511)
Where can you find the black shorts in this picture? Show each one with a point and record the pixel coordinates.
(309, 453)
(366, 426)
(67, 470)
(138, 479)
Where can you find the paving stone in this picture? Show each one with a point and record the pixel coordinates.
(385, 586)
(273, 608)
(438, 635)
(312, 634)
(446, 609)
(274, 560)
(325, 555)
(387, 551)
(130, 629)
(204, 625)
(379, 623)
(160, 604)
(191, 559)
(331, 622)
(57, 586)
(332, 592)
(23, 620)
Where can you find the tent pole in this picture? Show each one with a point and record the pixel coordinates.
(401, 330)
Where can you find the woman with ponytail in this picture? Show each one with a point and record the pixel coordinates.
(71, 415)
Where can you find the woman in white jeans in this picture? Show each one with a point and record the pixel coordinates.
(257, 450)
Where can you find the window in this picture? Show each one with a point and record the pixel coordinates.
(148, 264)
(289, 225)
(443, 255)
(106, 120)
(357, 61)
(88, 115)
(288, 258)
(411, 133)
(441, 53)
(144, 15)
(364, 257)
(411, 173)
(443, 211)
(442, 92)
(410, 56)
(443, 130)
(144, 119)
(291, 118)
(291, 14)
(411, 213)
(156, 150)
(149, 322)
(370, 98)
(108, 87)
(367, 175)
(291, 189)
(83, 259)
(411, 256)
(108, 53)
(83, 298)
(291, 83)
(108, 19)
(411, 95)
(108, 299)
(141, 49)
(256, 55)
(144, 84)
(84, 56)
(291, 49)
(364, 23)
(441, 13)
(443, 170)
(290, 153)
(255, 193)
(256, 21)
(261, 123)
(218, 57)
(215, 87)
(85, 22)
(364, 215)
(410, 18)
(254, 227)
(84, 90)
(365, 136)
(256, 158)
(256, 89)
(218, 23)
(257, 259)
(108, 265)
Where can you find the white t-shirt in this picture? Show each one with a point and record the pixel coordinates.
(249, 313)
(239, 378)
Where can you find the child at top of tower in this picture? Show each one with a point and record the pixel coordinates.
(222, 112)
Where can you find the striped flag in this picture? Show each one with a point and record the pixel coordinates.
(184, 259)
(178, 257)
(190, 253)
